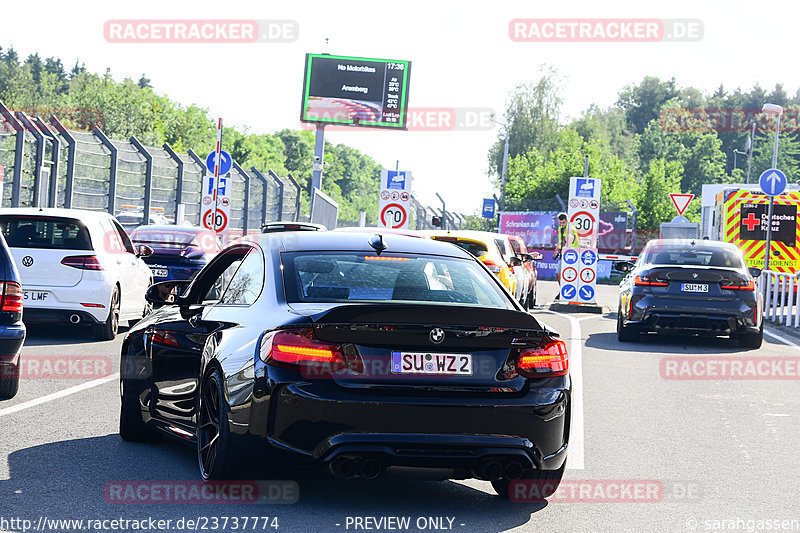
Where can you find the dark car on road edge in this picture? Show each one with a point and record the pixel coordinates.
(690, 287)
(179, 252)
(12, 330)
(353, 352)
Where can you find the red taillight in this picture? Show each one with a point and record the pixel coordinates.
(12, 297)
(299, 348)
(84, 262)
(750, 286)
(647, 282)
(164, 337)
(491, 265)
(550, 359)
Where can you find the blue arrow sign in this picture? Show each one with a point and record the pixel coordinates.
(488, 208)
(588, 258)
(568, 292)
(225, 163)
(772, 182)
(586, 293)
(570, 257)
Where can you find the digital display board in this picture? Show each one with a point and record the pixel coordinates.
(355, 91)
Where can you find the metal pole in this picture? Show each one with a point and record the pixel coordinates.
(217, 162)
(70, 173)
(444, 212)
(767, 252)
(319, 154)
(280, 194)
(148, 178)
(112, 172)
(246, 210)
(586, 168)
(503, 175)
(179, 184)
(297, 200)
(750, 154)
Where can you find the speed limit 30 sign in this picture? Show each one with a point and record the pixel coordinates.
(583, 222)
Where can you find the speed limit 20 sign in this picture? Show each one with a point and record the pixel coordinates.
(395, 199)
(394, 216)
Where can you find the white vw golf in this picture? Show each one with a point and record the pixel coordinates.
(77, 266)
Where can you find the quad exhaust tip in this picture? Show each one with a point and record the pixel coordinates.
(352, 467)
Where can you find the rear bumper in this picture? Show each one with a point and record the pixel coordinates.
(712, 317)
(62, 302)
(38, 314)
(315, 423)
(11, 340)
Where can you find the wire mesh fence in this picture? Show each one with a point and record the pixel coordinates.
(45, 164)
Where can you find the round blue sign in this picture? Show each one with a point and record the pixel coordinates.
(772, 182)
(568, 291)
(586, 293)
(570, 257)
(588, 257)
(225, 162)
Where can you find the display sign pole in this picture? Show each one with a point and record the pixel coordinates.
(319, 154)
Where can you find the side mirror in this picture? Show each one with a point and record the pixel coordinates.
(536, 256)
(514, 262)
(143, 250)
(165, 292)
(526, 258)
(623, 266)
(754, 271)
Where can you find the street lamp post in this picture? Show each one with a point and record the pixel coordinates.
(736, 151)
(751, 142)
(505, 161)
(772, 109)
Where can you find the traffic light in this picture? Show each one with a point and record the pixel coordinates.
(437, 221)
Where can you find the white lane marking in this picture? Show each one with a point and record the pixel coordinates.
(782, 339)
(57, 395)
(576, 448)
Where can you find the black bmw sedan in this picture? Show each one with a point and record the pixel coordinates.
(353, 352)
(690, 287)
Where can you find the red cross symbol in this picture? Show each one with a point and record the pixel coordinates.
(751, 221)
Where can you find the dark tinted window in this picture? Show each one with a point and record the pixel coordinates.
(45, 232)
(692, 255)
(341, 276)
(245, 285)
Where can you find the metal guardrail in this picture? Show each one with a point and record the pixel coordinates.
(780, 297)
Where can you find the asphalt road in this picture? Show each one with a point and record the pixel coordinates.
(721, 453)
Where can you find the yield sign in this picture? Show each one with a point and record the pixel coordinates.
(681, 201)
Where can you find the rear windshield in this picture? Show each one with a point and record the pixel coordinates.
(354, 277)
(45, 232)
(712, 257)
(475, 248)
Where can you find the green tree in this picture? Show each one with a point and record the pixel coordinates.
(643, 102)
(651, 195)
(532, 115)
